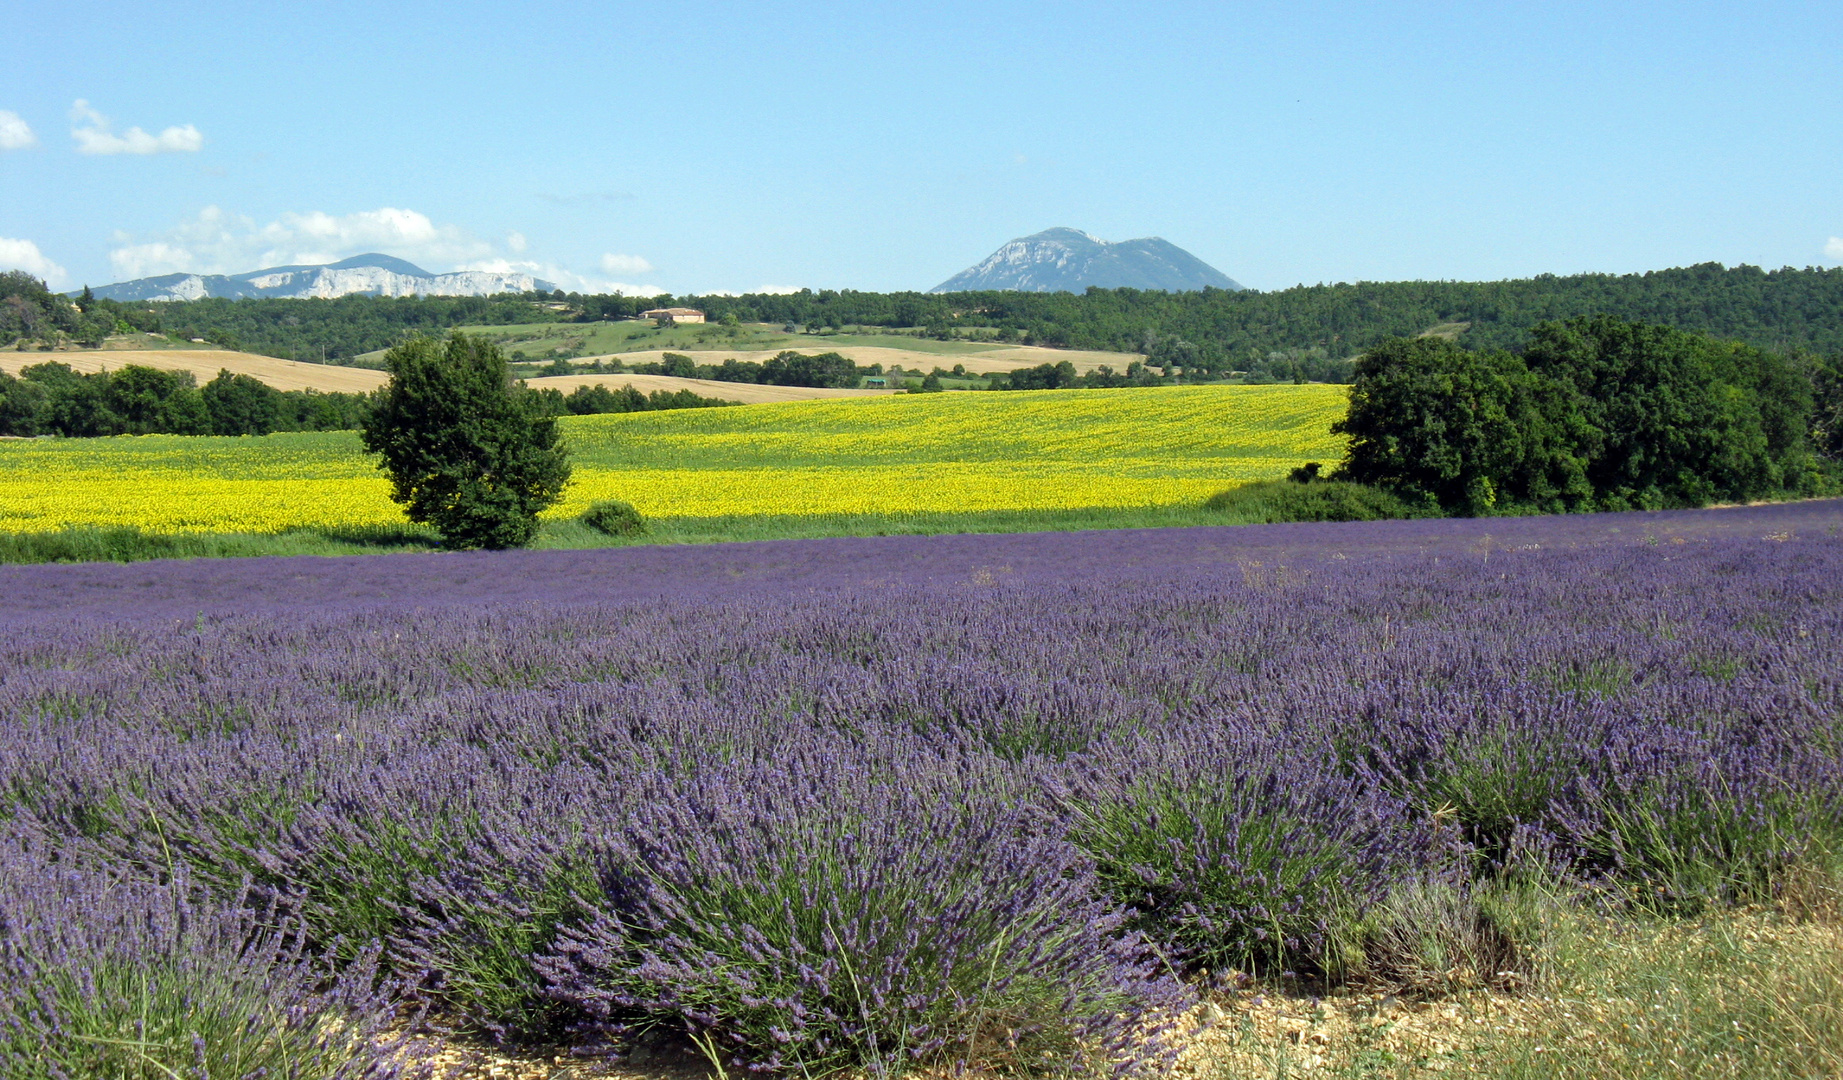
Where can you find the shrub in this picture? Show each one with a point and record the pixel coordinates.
(1275, 501)
(1436, 937)
(1680, 824)
(614, 518)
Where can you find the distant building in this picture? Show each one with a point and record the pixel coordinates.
(674, 314)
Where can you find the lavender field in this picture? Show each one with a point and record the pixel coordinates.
(869, 803)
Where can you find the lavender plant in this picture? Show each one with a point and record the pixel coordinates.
(109, 977)
(834, 907)
(473, 936)
(871, 802)
(1241, 849)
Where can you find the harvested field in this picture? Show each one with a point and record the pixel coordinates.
(636, 342)
(983, 360)
(204, 364)
(746, 393)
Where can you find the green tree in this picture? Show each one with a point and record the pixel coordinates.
(1669, 418)
(150, 401)
(1826, 424)
(798, 369)
(1598, 413)
(467, 452)
(80, 408)
(241, 404)
(1438, 424)
(21, 403)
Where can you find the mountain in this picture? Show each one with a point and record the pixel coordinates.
(373, 275)
(1069, 260)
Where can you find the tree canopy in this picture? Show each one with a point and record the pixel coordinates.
(1598, 413)
(466, 450)
(52, 398)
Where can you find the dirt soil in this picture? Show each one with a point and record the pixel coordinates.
(1245, 1033)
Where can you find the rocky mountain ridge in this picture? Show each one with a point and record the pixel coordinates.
(370, 274)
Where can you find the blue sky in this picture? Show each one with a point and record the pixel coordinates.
(703, 147)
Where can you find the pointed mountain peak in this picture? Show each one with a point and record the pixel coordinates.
(1069, 260)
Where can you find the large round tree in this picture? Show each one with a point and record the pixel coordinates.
(467, 451)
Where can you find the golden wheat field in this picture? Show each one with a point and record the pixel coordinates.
(1043, 450)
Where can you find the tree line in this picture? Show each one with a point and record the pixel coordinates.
(1301, 332)
(1220, 330)
(54, 399)
(315, 330)
(1596, 413)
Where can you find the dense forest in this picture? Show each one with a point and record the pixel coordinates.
(1302, 331)
(1783, 310)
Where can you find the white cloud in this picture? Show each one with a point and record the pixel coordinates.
(320, 237)
(516, 241)
(565, 279)
(15, 133)
(218, 242)
(97, 135)
(150, 260)
(1834, 249)
(25, 255)
(776, 290)
(625, 264)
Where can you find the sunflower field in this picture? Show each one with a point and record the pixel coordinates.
(1045, 450)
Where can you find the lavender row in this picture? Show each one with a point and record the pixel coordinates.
(981, 808)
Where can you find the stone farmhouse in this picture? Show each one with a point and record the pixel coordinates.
(675, 314)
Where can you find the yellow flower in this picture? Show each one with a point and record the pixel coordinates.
(1064, 449)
